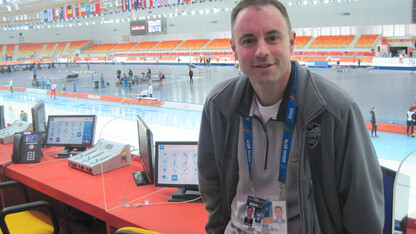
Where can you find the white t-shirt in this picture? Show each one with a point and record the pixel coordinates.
(150, 89)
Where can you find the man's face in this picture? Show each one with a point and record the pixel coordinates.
(262, 45)
(249, 212)
(278, 212)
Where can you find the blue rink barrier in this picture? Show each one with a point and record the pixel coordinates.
(317, 64)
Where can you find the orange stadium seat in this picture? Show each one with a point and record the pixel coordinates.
(301, 41)
(219, 43)
(48, 50)
(29, 49)
(10, 48)
(337, 41)
(91, 48)
(123, 47)
(74, 45)
(192, 44)
(144, 45)
(59, 48)
(104, 48)
(366, 41)
(167, 45)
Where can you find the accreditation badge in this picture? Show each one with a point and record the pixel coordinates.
(255, 210)
(275, 217)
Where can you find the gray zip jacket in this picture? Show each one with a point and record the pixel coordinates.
(339, 177)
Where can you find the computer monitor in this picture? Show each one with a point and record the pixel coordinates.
(74, 132)
(39, 117)
(146, 154)
(176, 166)
(2, 121)
(389, 176)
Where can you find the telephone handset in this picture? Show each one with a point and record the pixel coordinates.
(27, 147)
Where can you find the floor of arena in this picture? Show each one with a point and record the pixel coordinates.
(390, 91)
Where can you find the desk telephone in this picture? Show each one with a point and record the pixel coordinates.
(27, 147)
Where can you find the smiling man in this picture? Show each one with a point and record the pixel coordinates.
(280, 133)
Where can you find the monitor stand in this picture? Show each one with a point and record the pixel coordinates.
(141, 178)
(183, 195)
(68, 151)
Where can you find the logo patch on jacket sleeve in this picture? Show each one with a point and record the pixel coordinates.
(313, 134)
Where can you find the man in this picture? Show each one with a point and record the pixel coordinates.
(150, 90)
(191, 74)
(11, 85)
(23, 116)
(53, 90)
(282, 133)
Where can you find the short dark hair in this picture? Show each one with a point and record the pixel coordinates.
(258, 4)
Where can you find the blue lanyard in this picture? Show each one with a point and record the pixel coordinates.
(287, 134)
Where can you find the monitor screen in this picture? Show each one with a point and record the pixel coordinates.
(176, 166)
(146, 154)
(154, 26)
(74, 132)
(39, 117)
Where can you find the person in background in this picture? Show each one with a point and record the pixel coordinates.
(150, 90)
(280, 132)
(11, 116)
(373, 122)
(64, 85)
(23, 116)
(102, 80)
(48, 83)
(161, 76)
(191, 74)
(411, 118)
(11, 85)
(53, 90)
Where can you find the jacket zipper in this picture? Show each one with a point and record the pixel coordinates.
(265, 141)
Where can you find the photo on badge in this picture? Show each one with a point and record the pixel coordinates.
(248, 219)
(279, 217)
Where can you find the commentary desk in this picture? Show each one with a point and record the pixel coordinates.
(102, 196)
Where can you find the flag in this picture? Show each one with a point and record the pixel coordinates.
(69, 11)
(82, 9)
(87, 9)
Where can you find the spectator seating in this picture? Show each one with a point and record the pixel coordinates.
(103, 48)
(167, 45)
(337, 41)
(29, 49)
(10, 48)
(366, 41)
(73, 45)
(47, 50)
(123, 47)
(218, 43)
(91, 48)
(59, 48)
(301, 41)
(144, 45)
(192, 44)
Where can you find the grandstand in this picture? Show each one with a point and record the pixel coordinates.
(192, 44)
(333, 41)
(218, 43)
(27, 50)
(167, 45)
(144, 46)
(366, 41)
(123, 47)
